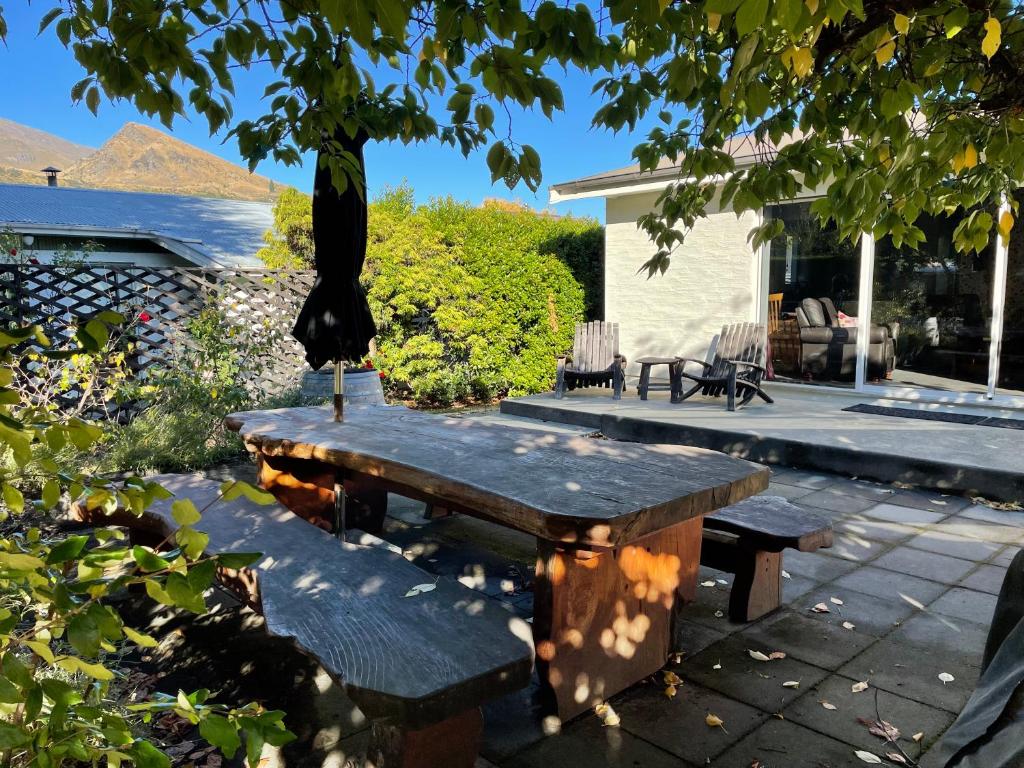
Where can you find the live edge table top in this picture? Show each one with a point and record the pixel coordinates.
(582, 492)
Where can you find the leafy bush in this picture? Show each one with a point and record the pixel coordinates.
(470, 303)
(62, 638)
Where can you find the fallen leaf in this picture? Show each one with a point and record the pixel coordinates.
(848, 625)
(717, 666)
(419, 589)
(858, 687)
(775, 655)
(868, 757)
(918, 736)
(835, 601)
(785, 575)
(719, 614)
(714, 721)
(709, 583)
(758, 656)
(896, 757)
(880, 728)
(821, 608)
(791, 684)
(670, 691)
(945, 677)
(826, 705)
(608, 715)
(723, 582)
(671, 678)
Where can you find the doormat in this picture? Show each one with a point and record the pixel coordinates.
(955, 418)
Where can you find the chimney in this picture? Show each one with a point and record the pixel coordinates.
(51, 175)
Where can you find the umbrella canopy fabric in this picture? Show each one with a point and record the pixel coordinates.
(335, 321)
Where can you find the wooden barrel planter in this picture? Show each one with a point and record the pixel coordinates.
(362, 386)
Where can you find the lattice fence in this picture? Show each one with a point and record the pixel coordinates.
(161, 302)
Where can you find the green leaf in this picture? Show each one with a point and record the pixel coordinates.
(184, 512)
(84, 635)
(147, 560)
(140, 639)
(234, 489)
(183, 595)
(192, 542)
(956, 20)
(145, 755)
(750, 16)
(220, 732)
(12, 736)
(9, 692)
(16, 561)
(49, 17)
(51, 493)
(69, 549)
(236, 560)
(13, 499)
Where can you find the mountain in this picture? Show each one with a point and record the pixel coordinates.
(24, 150)
(136, 158)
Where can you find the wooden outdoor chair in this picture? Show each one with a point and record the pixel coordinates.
(595, 360)
(738, 366)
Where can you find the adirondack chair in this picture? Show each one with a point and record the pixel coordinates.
(595, 360)
(738, 366)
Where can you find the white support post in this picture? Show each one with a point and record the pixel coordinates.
(867, 279)
(998, 302)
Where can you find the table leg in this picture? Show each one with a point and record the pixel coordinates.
(306, 487)
(605, 620)
(645, 380)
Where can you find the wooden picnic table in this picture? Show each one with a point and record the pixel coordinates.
(618, 525)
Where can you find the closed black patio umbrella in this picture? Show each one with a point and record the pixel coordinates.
(335, 323)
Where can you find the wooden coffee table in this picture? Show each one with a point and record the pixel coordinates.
(675, 385)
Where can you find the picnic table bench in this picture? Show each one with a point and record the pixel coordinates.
(418, 667)
(618, 525)
(747, 539)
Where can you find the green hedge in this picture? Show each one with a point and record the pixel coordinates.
(471, 303)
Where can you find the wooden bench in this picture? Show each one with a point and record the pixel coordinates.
(748, 539)
(419, 667)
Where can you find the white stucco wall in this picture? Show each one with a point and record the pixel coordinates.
(713, 280)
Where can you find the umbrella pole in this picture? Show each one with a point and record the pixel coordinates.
(339, 391)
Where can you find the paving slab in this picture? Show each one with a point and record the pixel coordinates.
(678, 725)
(881, 583)
(876, 530)
(991, 515)
(1004, 558)
(842, 723)
(588, 744)
(926, 565)
(815, 566)
(803, 479)
(693, 637)
(866, 488)
(987, 578)
(964, 547)
(908, 662)
(930, 500)
(837, 501)
(1002, 534)
(790, 492)
(895, 513)
(757, 683)
(515, 722)
(801, 636)
(795, 586)
(966, 604)
(854, 547)
(783, 744)
(871, 615)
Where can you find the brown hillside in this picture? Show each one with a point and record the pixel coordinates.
(139, 158)
(24, 150)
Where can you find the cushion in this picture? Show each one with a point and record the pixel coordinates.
(831, 315)
(814, 311)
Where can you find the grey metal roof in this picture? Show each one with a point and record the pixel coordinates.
(208, 231)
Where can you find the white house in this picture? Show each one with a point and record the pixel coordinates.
(132, 228)
(923, 324)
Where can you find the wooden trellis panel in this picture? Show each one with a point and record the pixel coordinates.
(56, 297)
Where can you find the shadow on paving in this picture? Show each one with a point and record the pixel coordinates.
(908, 596)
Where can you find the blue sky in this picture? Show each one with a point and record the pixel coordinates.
(40, 73)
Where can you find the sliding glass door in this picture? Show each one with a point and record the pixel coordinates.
(937, 323)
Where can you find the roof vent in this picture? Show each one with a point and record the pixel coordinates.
(51, 175)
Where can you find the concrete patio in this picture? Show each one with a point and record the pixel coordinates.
(808, 428)
(916, 574)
